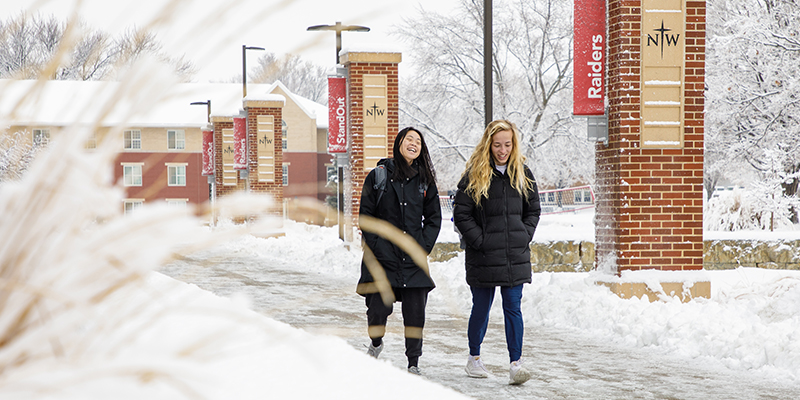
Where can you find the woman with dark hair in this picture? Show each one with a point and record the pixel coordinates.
(408, 199)
(496, 209)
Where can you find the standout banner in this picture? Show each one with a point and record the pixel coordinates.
(239, 143)
(589, 66)
(337, 115)
(208, 153)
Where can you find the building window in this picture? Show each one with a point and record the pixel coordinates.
(132, 206)
(133, 140)
(176, 140)
(285, 174)
(284, 135)
(177, 175)
(91, 143)
(132, 174)
(177, 203)
(41, 137)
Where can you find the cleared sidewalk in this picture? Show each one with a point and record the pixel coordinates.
(565, 365)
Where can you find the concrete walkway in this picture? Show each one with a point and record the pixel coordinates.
(565, 365)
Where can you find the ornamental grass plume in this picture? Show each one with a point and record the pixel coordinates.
(73, 269)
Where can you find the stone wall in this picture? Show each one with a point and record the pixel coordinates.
(569, 256)
(730, 254)
(562, 256)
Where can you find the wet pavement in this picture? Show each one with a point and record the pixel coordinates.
(565, 364)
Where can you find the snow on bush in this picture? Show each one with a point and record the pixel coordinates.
(761, 207)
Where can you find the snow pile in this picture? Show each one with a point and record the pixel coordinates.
(749, 324)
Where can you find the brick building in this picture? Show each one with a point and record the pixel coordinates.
(160, 147)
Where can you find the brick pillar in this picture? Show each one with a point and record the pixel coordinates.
(225, 177)
(373, 118)
(265, 146)
(650, 173)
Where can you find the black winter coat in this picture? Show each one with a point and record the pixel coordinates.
(410, 208)
(498, 232)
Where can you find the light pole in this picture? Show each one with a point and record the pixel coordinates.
(212, 179)
(244, 67)
(341, 158)
(207, 103)
(338, 28)
(487, 62)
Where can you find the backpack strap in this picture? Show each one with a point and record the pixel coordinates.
(380, 182)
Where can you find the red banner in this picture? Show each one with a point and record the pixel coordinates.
(239, 143)
(589, 65)
(208, 152)
(337, 115)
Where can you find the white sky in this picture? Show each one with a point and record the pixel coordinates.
(211, 33)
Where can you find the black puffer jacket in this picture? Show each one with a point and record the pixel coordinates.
(412, 209)
(498, 232)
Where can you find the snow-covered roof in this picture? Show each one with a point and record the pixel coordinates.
(369, 48)
(266, 97)
(62, 103)
(313, 109)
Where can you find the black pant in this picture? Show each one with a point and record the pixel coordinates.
(414, 301)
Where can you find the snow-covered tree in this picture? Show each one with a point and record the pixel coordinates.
(303, 78)
(753, 98)
(532, 64)
(17, 152)
(35, 46)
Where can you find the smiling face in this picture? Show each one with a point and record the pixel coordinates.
(411, 146)
(502, 145)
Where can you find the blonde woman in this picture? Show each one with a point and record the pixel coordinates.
(496, 209)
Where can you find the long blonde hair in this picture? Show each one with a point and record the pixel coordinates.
(479, 167)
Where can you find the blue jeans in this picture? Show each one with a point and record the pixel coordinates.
(482, 299)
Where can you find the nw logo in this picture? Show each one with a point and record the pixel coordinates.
(228, 150)
(265, 141)
(375, 111)
(663, 38)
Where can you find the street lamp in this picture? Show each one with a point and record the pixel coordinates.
(207, 103)
(341, 159)
(244, 67)
(212, 180)
(487, 62)
(338, 28)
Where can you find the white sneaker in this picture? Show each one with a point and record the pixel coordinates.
(374, 351)
(518, 374)
(475, 368)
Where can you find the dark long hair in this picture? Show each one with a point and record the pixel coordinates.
(422, 163)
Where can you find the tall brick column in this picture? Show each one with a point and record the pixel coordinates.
(264, 150)
(649, 211)
(265, 145)
(373, 101)
(226, 178)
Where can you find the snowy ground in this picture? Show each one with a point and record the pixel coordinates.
(581, 340)
(255, 318)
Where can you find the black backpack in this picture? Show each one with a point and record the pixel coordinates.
(380, 184)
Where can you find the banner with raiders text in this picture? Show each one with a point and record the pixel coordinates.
(589, 64)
